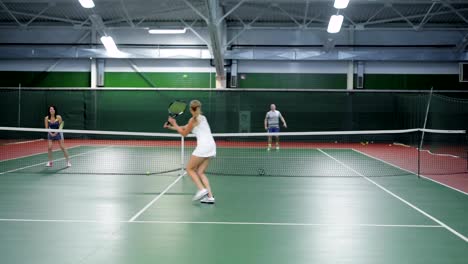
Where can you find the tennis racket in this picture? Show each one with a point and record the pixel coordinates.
(176, 108)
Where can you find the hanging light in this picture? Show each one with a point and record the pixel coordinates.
(340, 4)
(168, 31)
(110, 46)
(335, 24)
(87, 3)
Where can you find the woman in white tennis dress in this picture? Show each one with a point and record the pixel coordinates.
(205, 150)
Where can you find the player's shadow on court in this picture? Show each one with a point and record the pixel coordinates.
(49, 171)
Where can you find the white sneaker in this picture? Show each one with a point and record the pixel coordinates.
(49, 164)
(277, 147)
(68, 164)
(208, 200)
(200, 194)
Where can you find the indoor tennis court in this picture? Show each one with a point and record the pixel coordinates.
(339, 130)
(309, 201)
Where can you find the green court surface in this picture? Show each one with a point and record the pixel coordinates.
(323, 206)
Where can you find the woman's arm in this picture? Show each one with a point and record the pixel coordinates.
(183, 130)
(59, 118)
(46, 124)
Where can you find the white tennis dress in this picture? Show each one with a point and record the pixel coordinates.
(206, 146)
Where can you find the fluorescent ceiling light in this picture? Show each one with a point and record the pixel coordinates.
(168, 31)
(335, 24)
(340, 4)
(87, 3)
(110, 46)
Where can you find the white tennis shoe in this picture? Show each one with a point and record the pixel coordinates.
(200, 194)
(208, 200)
(49, 164)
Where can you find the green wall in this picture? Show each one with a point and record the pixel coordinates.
(160, 79)
(290, 80)
(251, 80)
(146, 110)
(413, 81)
(44, 79)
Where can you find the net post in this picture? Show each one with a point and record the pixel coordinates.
(182, 155)
(425, 117)
(466, 149)
(19, 105)
(419, 152)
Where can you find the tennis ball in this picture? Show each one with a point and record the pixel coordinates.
(185, 75)
(147, 173)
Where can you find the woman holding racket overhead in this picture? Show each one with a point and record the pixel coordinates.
(54, 121)
(206, 149)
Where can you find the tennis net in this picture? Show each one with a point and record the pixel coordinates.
(306, 154)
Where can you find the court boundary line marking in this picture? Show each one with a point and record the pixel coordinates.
(403, 169)
(216, 223)
(453, 231)
(37, 164)
(40, 153)
(23, 142)
(155, 199)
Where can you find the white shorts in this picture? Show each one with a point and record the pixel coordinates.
(205, 151)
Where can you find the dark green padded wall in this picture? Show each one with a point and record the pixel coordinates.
(289, 80)
(146, 110)
(413, 81)
(252, 80)
(160, 79)
(44, 79)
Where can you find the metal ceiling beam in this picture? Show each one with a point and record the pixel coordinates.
(196, 10)
(230, 11)
(36, 16)
(98, 24)
(194, 31)
(455, 11)
(66, 20)
(246, 27)
(383, 21)
(286, 13)
(217, 35)
(10, 13)
(127, 15)
(461, 46)
(402, 16)
(427, 17)
(272, 54)
(151, 14)
(306, 11)
(296, 17)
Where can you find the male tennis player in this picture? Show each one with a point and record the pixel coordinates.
(54, 121)
(205, 150)
(272, 124)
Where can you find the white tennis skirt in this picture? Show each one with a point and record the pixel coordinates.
(205, 151)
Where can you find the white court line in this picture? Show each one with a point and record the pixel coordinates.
(155, 199)
(42, 163)
(40, 153)
(217, 223)
(401, 199)
(420, 175)
(23, 142)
